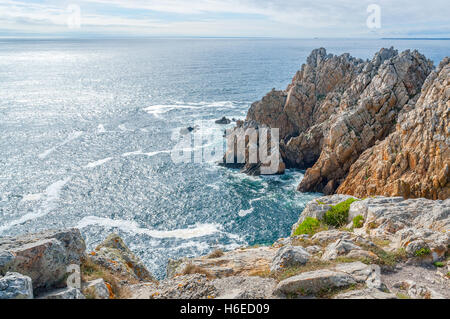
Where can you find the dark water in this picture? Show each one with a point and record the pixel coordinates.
(85, 139)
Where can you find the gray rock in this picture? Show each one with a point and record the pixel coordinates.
(289, 256)
(64, 293)
(96, 289)
(359, 271)
(43, 256)
(16, 286)
(240, 287)
(339, 248)
(314, 281)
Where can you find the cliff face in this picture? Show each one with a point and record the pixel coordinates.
(338, 107)
(413, 161)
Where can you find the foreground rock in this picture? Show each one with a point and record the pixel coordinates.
(114, 255)
(44, 257)
(240, 262)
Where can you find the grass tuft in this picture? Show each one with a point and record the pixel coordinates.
(338, 214)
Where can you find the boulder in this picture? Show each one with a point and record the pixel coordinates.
(96, 289)
(16, 286)
(44, 257)
(289, 256)
(313, 282)
(114, 255)
(339, 248)
(240, 287)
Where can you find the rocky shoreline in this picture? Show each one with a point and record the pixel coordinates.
(385, 248)
(366, 131)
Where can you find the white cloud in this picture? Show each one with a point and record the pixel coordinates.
(288, 18)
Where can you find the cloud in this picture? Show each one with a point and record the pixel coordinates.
(275, 18)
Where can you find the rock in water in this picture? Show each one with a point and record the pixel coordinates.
(16, 286)
(414, 161)
(223, 120)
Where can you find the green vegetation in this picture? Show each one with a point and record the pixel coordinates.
(439, 264)
(358, 221)
(338, 214)
(422, 252)
(309, 226)
(402, 296)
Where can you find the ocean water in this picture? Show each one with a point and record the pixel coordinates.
(86, 133)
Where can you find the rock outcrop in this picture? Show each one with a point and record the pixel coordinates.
(413, 161)
(44, 257)
(377, 127)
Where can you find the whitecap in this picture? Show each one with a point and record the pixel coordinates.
(98, 163)
(52, 193)
(245, 212)
(132, 227)
(101, 128)
(72, 136)
(32, 197)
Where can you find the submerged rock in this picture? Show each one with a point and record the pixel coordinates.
(223, 120)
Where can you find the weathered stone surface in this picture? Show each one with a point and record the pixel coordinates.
(289, 256)
(194, 286)
(113, 254)
(339, 248)
(96, 289)
(249, 261)
(44, 257)
(358, 270)
(367, 293)
(413, 161)
(406, 223)
(313, 282)
(64, 293)
(239, 287)
(15, 286)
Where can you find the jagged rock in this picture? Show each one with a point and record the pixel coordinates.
(414, 160)
(96, 289)
(314, 249)
(244, 262)
(64, 293)
(44, 257)
(367, 293)
(358, 270)
(289, 256)
(339, 248)
(15, 286)
(313, 282)
(113, 254)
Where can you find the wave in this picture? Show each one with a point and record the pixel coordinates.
(199, 230)
(98, 163)
(72, 136)
(159, 109)
(51, 193)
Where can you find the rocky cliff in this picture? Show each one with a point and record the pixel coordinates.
(338, 107)
(413, 161)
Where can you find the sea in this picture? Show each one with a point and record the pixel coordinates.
(88, 129)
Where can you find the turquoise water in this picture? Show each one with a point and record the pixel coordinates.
(86, 129)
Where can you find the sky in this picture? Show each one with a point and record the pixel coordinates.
(226, 18)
